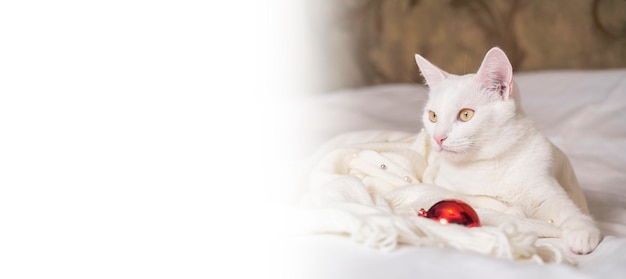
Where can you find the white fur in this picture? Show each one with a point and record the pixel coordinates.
(499, 152)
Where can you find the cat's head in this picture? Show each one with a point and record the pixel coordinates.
(466, 116)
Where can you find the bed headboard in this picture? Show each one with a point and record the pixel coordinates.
(373, 41)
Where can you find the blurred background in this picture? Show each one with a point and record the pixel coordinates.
(366, 42)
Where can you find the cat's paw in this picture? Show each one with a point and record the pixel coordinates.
(582, 237)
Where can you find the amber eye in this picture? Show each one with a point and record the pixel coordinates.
(466, 114)
(433, 116)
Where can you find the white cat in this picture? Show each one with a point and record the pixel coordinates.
(483, 144)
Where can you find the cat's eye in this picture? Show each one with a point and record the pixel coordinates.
(466, 114)
(432, 116)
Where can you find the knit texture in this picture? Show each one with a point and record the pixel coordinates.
(368, 186)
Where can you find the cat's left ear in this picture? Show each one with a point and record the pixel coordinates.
(496, 73)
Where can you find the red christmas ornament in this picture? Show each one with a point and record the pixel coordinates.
(452, 211)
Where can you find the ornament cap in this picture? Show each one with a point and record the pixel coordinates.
(422, 213)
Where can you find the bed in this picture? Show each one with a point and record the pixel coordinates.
(582, 111)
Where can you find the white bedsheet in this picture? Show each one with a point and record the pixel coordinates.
(583, 112)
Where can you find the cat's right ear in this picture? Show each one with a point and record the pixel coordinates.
(431, 73)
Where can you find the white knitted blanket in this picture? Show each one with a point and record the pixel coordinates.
(369, 185)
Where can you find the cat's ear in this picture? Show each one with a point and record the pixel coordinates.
(431, 73)
(496, 73)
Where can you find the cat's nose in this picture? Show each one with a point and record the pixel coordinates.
(440, 140)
